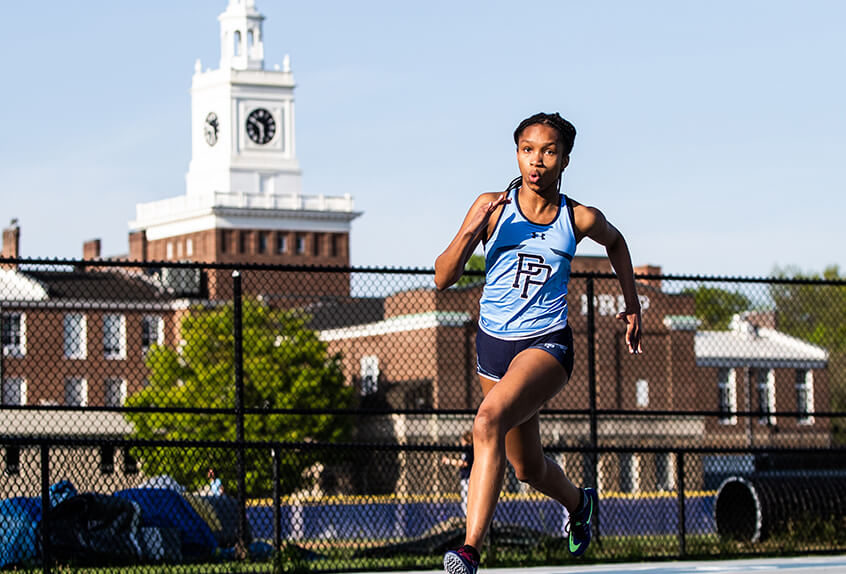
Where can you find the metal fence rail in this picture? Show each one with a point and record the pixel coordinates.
(302, 417)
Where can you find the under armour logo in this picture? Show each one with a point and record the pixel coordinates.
(534, 270)
(535, 235)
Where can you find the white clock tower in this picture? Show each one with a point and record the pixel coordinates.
(243, 200)
(242, 115)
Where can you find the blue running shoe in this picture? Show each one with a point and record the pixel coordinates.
(460, 562)
(579, 524)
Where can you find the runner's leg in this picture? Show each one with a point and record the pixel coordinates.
(533, 377)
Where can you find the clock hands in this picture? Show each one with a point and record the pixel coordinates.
(261, 126)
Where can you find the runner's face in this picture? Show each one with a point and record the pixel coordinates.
(539, 157)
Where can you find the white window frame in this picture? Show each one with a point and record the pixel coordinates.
(156, 323)
(75, 335)
(15, 348)
(665, 471)
(765, 386)
(121, 392)
(189, 247)
(300, 244)
(114, 338)
(629, 472)
(169, 250)
(82, 395)
(727, 384)
(21, 390)
(369, 374)
(806, 382)
(642, 393)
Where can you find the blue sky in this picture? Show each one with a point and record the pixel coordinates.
(713, 134)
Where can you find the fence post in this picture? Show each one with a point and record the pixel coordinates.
(680, 486)
(594, 435)
(237, 328)
(46, 559)
(277, 499)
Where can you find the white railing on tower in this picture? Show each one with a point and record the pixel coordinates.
(185, 204)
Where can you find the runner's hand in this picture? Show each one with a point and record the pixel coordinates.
(633, 332)
(479, 218)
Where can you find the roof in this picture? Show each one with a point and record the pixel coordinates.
(399, 324)
(63, 423)
(15, 286)
(336, 313)
(96, 285)
(747, 346)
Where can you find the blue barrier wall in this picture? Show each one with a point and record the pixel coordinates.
(629, 516)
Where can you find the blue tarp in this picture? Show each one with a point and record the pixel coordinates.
(19, 518)
(164, 508)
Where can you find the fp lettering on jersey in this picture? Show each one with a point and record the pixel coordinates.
(529, 268)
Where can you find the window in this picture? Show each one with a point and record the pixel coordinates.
(115, 395)
(224, 241)
(13, 460)
(14, 391)
(805, 396)
(189, 247)
(665, 476)
(76, 392)
(242, 242)
(114, 336)
(765, 383)
(13, 334)
(130, 464)
(629, 472)
(75, 329)
(727, 386)
(642, 390)
(281, 243)
(107, 459)
(169, 250)
(262, 242)
(300, 244)
(316, 243)
(152, 332)
(369, 374)
(333, 245)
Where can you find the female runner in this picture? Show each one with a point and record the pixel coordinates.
(524, 345)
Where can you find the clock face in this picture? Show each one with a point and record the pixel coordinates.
(261, 127)
(210, 128)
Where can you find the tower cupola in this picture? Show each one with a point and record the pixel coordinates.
(241, 38)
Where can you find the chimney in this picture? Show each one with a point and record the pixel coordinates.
(91, 249)
(138, 245)
(649, 270)
(11, 243)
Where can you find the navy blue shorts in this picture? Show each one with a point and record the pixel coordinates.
(493, 356)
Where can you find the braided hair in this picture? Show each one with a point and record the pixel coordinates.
(566, 135)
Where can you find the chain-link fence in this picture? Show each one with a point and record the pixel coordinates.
(285, 418)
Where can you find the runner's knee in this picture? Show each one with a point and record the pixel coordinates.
(488, 425)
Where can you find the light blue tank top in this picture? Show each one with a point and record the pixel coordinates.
(527, 270)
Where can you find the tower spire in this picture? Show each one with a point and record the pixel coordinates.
(241, 37)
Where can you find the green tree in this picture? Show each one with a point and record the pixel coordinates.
(817, 313)
(475, 263)
(715, 307)
(285, 366)
(810, 311)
